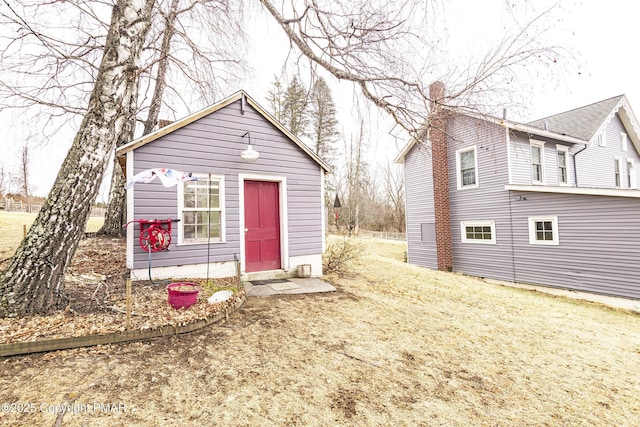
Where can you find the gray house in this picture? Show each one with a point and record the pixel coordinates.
(553, 202)
(268, 213)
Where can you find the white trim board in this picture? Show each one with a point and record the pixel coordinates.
(615, 192)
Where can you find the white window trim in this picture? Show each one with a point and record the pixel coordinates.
(459, 169)
(618, 161)
(633, 182)
(624, 142)
(223, 237)
(554, 229)
(565, 150)
(463, 231)
(536, 143)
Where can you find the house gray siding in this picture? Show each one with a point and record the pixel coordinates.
(599, 242)
(213, 145)
(596, 163)
(521, 173)
(420, 217)
(488, 202)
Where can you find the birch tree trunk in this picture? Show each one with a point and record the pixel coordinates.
(34, 280)
(116, 213)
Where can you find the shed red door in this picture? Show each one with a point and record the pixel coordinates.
(262, 225)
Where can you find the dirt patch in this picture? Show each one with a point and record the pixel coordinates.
(395, 345)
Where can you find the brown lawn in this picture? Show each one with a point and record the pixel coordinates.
(396, 345)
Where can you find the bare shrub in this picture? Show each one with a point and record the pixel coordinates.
(339, 252)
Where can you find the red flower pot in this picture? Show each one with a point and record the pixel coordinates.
(182, 294)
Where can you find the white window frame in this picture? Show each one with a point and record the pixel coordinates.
(602, 138)
(617, 172)
(631, 174)
(554, 229)
(463, 232)
(459, 153)
(221, 209)
(624, 142)
(565, 150)
(538, 144)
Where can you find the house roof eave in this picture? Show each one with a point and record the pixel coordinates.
(409, 145)
(630, 122)
(541, 132)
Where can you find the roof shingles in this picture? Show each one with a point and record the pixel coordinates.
(581, 122)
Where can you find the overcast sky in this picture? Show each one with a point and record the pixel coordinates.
(602, 35)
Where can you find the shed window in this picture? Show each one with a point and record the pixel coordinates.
(201, 206)
(467, 165)
(543, 230)
(478, 231)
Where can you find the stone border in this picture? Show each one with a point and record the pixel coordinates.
(18, 348)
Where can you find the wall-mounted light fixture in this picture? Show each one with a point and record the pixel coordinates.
(249, 155)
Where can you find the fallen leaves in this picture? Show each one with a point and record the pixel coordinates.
(95, 283)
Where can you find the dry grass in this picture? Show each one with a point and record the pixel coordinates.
(13, 225)
(396, 345)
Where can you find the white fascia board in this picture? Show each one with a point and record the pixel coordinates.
(545, 133)
(615, 192)
(522, 127)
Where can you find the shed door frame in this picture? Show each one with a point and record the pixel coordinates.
(284, 226)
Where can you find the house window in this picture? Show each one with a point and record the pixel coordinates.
(543, 230)
(631, 174)
(602, 139)
(562, 164)
(617, 167)
(467, 165)
(537, 162)
(623, 141)
(478, 232)
(201, 210)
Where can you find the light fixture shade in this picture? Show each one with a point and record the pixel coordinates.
(250, 155)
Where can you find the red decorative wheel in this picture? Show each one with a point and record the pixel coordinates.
(154, 238)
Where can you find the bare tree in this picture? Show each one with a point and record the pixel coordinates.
(393, 180)
(369, 43)
(275, 98)
(174, 18)
(34, 279)
(4, 178)
(61, 65)
(22, 177)
(24, 169)
(354, 184)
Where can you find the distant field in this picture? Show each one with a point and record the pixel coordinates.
(12, 226)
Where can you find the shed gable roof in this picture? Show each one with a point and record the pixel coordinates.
(238, 96)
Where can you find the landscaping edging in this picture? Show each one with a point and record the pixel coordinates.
(17, 348)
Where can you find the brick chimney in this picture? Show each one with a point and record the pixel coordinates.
(438, 137)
